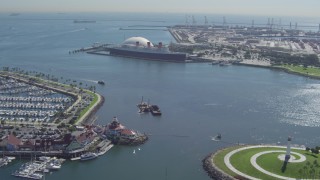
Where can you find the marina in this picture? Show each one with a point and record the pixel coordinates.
(29, 103)
(37, 169)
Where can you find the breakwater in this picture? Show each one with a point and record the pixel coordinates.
(91, 116)
(213, 171)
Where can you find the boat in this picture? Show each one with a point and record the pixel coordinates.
(44, 158)
(84, 21)
(215, 62)
(143, 106)
(6, 160)
(142, 48)
(53, 166)
(101, 82)
(14, 14)
(155, 110)
(224, 63)
(35, 176)
(88, 156)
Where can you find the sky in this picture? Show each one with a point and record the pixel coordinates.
(308, 8)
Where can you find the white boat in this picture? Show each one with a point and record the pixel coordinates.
(88, 156)
(10, 158)
(53, 166)
(44, 158)
(35, 176)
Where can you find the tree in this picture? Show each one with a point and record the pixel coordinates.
(314, 151)
(15, 121)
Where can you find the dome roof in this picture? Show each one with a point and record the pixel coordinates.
(132, 41)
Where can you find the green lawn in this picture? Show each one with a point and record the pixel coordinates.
(311, 71)
(241, 161)
(269, 162)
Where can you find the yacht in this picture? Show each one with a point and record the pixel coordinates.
(88, 156)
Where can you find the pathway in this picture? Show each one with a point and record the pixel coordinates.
(254, 163)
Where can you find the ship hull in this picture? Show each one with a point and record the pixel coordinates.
(175, 57)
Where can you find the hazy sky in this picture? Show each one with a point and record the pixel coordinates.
(252, 7)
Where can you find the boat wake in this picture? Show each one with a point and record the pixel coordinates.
(216, 138)
(89, 80)
(62, 33)
(211, 104)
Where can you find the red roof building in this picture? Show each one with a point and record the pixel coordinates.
(13, 142)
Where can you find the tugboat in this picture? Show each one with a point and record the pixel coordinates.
(101, 82)
(155, 110)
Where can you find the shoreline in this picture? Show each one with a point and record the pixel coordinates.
(88, 117)
(247, 62)
(279, 69)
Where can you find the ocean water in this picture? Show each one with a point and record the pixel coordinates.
(244, 104)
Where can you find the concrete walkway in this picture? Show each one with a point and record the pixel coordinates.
(254, 163)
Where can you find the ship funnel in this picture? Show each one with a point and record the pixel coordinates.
(137, 43)
(160, 45)
(149, 44)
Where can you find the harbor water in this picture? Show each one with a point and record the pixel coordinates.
(245, 104)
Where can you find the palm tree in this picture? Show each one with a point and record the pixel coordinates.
(15, 122)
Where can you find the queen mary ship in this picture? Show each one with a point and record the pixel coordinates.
(142, 48)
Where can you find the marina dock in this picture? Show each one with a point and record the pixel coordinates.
(36, 169)
(103, 147)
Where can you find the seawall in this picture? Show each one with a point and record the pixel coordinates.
(213, 171)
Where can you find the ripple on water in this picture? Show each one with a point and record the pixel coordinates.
(300, 107)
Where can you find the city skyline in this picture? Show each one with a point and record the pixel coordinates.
(245, 7)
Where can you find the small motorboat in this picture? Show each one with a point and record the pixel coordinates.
(101, 82)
